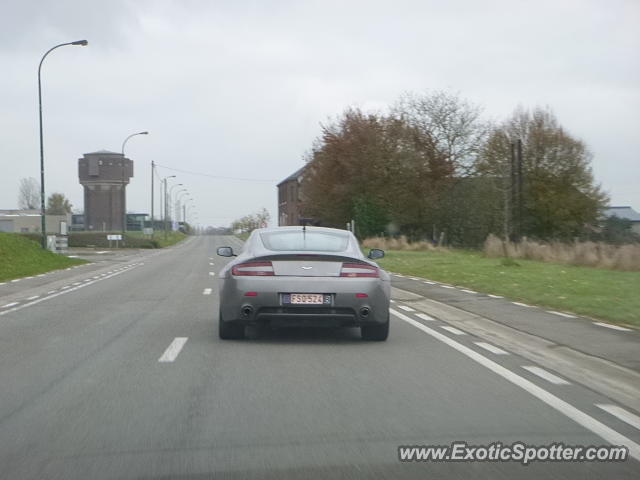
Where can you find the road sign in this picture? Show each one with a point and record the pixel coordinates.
(147, 231)
(114, 237)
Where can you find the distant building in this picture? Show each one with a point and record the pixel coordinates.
(290, 199)
(104, 176)
(28, 221)
(627, 213)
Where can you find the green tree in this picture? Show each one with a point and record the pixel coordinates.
(58, 204)
(559, 193)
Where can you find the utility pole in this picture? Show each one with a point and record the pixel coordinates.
(520, 193)
(153, 171)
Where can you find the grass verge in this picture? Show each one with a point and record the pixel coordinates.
(604, 294)
(160, 240)
(21, 257)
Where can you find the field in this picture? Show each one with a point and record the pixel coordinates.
(594, 292)
(22, 257)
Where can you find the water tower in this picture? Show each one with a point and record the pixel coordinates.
(104, 176)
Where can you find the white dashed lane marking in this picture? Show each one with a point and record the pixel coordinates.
(173, 350)
(206, 291)
(494, 296)
(406, 309)
(447, 286)
(34, 297)
(491, 348)
(560, 314)
(212, 273)
(549, 377)
(453, 330)
(622, 414)
(522, 304)
(468, 291)
(8, 305)
(429, 283)
(426, 317)
(612, 327)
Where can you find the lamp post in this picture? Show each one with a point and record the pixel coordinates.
(163, 202)
(124, 195)
(167, 199)
(42, 199)
(179, 196)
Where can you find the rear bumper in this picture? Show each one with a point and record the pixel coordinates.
(267, 307)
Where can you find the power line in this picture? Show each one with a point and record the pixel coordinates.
(220, 177)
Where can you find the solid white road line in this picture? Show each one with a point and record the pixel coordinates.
(612, 327)
(578, 416)
(406, 309)
(51, 291)
(494, 296)
(453, 330)
(426, 317)
(206, 291)
(491, 348)
(212, 273)
(34, 297)
(173, 350)
(548, 376)
(561, 314)
(622, 414)
(522, 304)
(8, 305)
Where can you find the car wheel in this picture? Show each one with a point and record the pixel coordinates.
(377, 332)
(229, 330)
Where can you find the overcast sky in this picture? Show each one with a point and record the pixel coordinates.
(239, 89)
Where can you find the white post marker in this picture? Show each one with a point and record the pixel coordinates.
(173, 350)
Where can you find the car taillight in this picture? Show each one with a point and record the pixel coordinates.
(253, 269)
(359, 270)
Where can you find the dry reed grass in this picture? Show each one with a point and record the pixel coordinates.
(591, 254)
(400, 243)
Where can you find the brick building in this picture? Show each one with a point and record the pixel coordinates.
(290, 199)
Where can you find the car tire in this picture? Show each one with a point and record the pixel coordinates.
(377, 332)
(229, 330)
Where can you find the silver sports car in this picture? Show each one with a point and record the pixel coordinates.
(303, 276)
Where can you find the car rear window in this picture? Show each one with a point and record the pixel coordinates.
(297, 240)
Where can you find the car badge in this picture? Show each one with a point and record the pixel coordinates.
(307, 268)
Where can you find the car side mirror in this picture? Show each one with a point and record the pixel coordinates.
(226, 252)
(375, 253)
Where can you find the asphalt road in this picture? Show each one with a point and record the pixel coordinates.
(116, 371)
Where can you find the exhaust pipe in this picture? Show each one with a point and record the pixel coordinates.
(247, 311)
(364, 311)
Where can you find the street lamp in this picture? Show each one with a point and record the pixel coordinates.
(167, 199)
(42, 200)
(124, 195)
(163, 202)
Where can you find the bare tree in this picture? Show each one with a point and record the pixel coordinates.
(451, 124)
(28, 194)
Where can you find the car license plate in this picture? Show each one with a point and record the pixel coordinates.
(304, 298)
